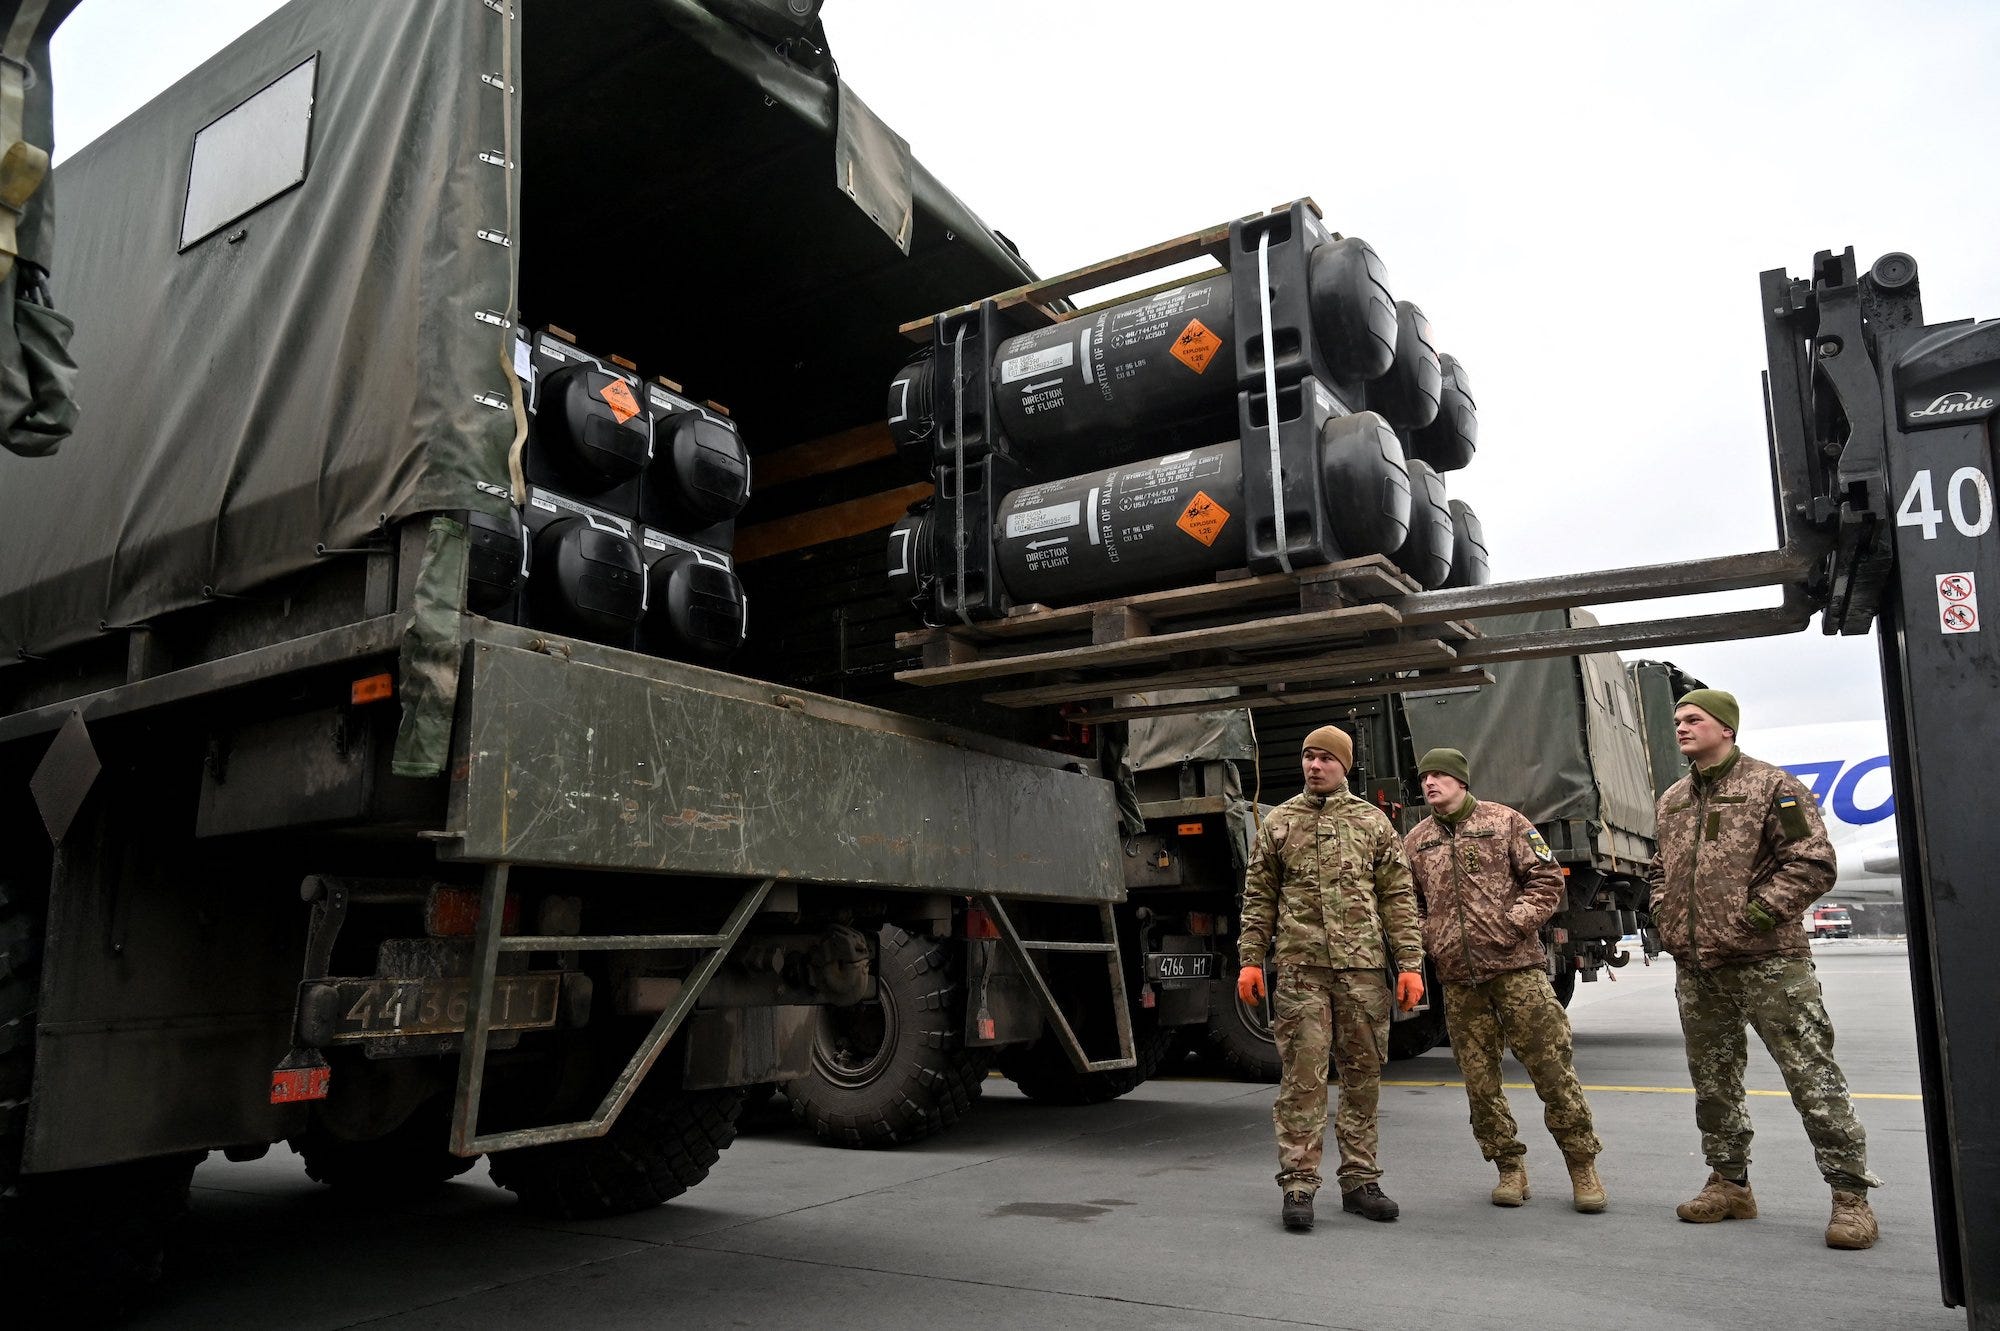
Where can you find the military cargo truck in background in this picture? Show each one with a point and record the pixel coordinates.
(390, 758)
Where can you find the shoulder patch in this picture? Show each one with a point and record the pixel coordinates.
(1540, 847)
(1792, 818)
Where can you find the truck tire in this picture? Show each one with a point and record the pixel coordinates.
(1564, 983)
(1240, 1036)
(1043, 1072)
(93, 1242)
(1562, 974)
(1423, 1031)
(20, 979)
(664, 1143)
(1418, 1034)
(893, 1070)
(409, 1161)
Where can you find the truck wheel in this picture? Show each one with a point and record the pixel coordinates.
(93, 1242)
(895, 1069)
(20, 979)
(1419, 1034)
(1423, 1031)
(406, 1162)
(1241, 1036)
(1043, 1072)
(1562, 974)
(664, 1143)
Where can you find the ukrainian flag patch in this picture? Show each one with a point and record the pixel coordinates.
(1540, 847)
(1792, 818)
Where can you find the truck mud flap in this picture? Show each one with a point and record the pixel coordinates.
(487, 947)
(1095, 1028)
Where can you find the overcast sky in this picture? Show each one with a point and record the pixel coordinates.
(1581, 197)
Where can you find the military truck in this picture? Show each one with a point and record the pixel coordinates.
(389, 765)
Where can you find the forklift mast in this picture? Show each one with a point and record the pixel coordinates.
(1894, 418)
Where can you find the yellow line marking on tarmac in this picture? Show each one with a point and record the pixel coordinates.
(1656, 1090)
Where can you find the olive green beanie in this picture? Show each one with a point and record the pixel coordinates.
(1449, 761)
(1722, 706)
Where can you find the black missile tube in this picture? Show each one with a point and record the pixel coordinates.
(1426, 554)
(1469, 566)
(1174, 520)
(1160, 371)
(1450, 440)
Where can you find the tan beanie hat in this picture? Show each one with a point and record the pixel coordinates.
(1335, 741)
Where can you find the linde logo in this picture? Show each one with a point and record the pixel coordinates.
(1953, 404)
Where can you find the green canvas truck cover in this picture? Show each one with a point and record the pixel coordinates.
(267, 378)
(1558, 739)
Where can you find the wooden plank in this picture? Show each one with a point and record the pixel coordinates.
(827, 524)
(948, 651)
(1212, 241)
(817, 457)
(1354, 662)
(1040, 294)
(1317, 625)
(1277, 696)
(1118, 623)
(1175, 602)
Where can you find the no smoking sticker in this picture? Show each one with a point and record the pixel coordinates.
(1203, 518)
(1196, 346)
(1958, 603)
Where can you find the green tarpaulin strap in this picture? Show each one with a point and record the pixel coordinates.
(23, 166)
(432, 649)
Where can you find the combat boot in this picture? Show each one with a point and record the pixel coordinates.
(1298, 1211)
(1719, 1199)
(1512, 1189)
(1853, 1225)
(1586, 1189)
(1368, 1202)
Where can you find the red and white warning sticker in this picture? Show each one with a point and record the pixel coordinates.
(1958, 603)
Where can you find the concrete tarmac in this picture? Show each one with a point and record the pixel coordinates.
(1158, 1211)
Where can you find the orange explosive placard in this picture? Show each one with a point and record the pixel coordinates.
(619, 394)
(1196, 346)
(1203, 518)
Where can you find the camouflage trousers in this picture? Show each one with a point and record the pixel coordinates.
(1517, 1010)
(1780, 999)
(1322, 1015)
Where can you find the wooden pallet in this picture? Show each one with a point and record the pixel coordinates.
(1278, 631)
(1040, 303)
(1137, 706)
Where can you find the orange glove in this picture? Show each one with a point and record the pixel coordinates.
(1250, 985)
(1409, 990)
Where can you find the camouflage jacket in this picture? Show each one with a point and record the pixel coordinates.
(1742, 829)
(1329, 873)
(1488, 884)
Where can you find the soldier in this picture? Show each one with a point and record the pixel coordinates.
(1488, 884)
(1328, 869)
(1742, 855)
